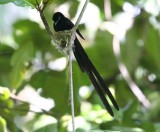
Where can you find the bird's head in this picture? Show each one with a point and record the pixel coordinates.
(57, 16)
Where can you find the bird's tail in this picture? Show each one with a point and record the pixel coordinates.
(86, 66)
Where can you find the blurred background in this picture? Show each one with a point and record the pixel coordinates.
(122, 39)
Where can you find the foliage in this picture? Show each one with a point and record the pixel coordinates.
(26, 56)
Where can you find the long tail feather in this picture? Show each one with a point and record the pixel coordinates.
(100, 93)
(99, 78)
(87, 66)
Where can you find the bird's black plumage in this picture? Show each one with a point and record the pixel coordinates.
(62, 23)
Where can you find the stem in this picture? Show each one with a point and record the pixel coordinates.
(80, 16)
(133, 86)
(73, 32)
(71, 88)
(46, 25)
(41, 9)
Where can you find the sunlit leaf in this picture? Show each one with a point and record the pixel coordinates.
(45, 123)
(42, 123)
(54, 85)
(20, 58)
(6, 1)
(23, 3)
(5, 93)
(139, 50)
(3, 126)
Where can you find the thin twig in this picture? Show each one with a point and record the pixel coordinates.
(41, 9)
(133, 86)
(46, 25)
(71, 89)
(73, 31)
(80, 16)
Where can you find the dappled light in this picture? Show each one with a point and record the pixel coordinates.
(122, 40)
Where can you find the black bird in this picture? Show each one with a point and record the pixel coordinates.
(62, 23)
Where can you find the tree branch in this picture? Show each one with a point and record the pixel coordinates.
(133, 86)
(80, 16)
(73, 32)
(41, 8)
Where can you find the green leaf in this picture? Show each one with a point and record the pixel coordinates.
(98, 3)
(3, 126)
(26, 31)
(129, 110)
(16, 78)
(128, 129)
(21, 3)
(155, 107)
(118, 2)
(148, 127)
(157, 126)
(121, 97)
(19, 59)
(74, 6)
(23, 55)
(101, 54)
(5, 93)
(54, 85)
(151, 49)
(43, 123)
(4, 64)
(6, 1)
(131, 52)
